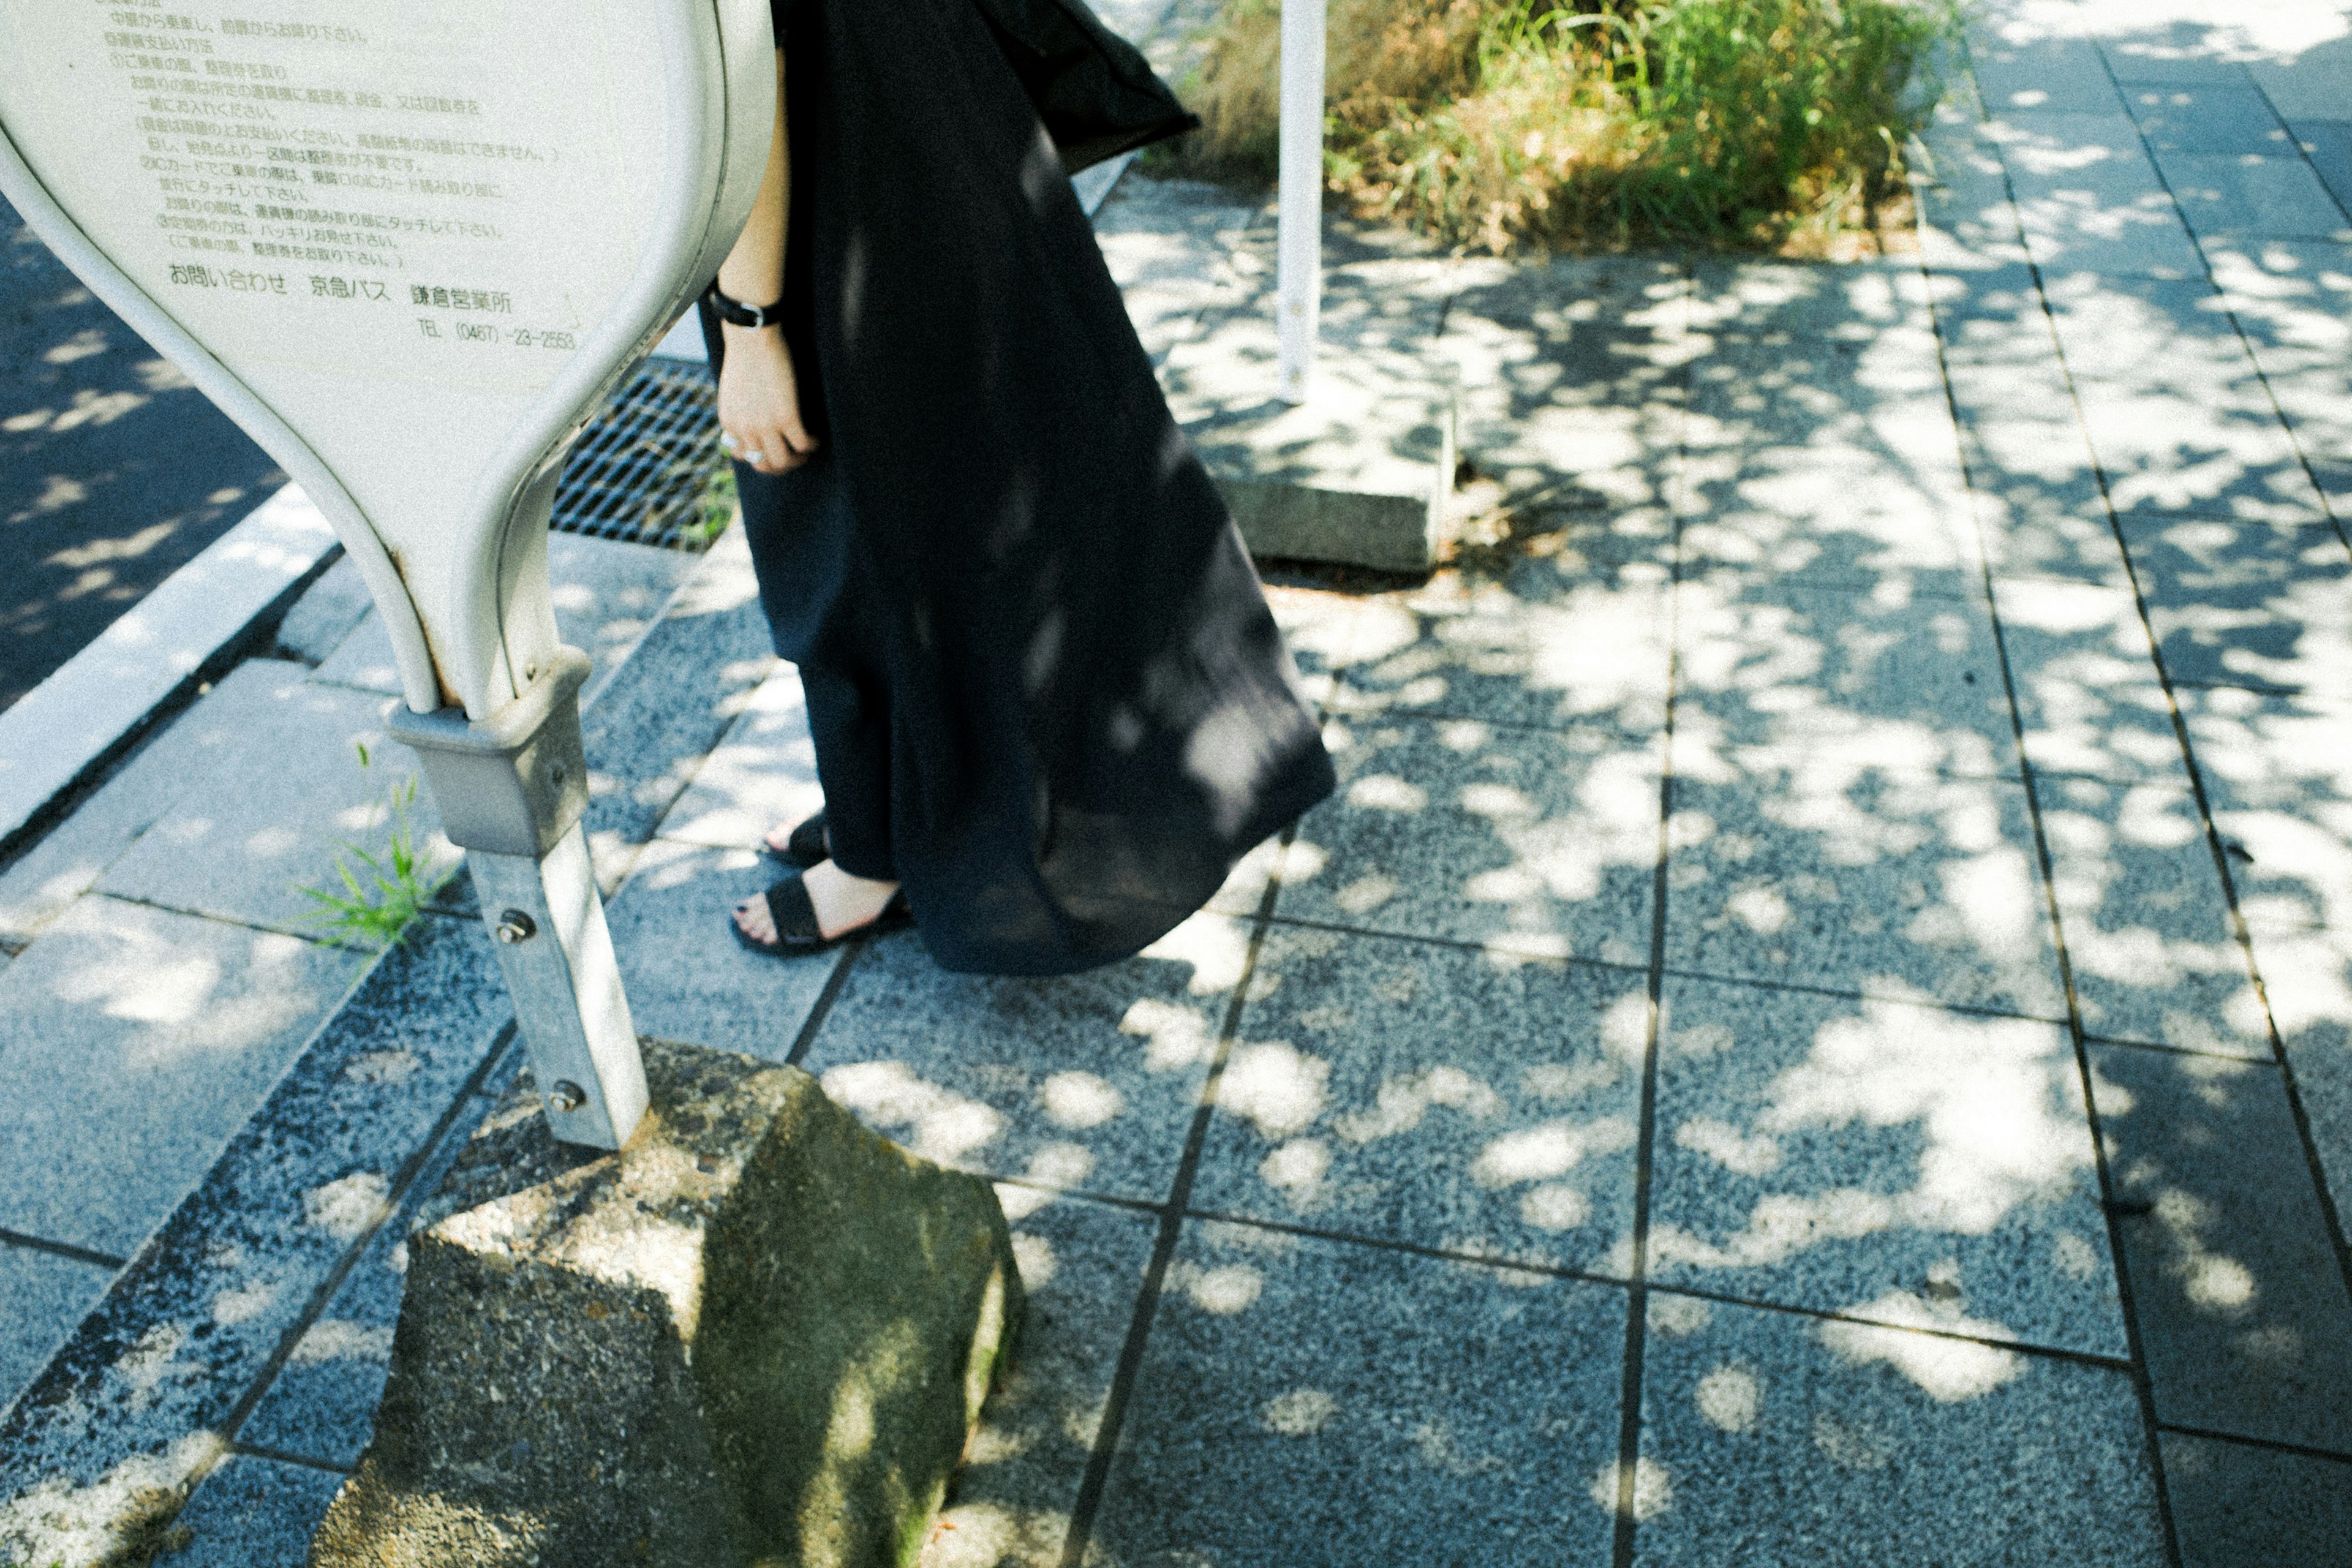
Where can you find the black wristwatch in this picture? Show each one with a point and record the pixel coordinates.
(736, 314)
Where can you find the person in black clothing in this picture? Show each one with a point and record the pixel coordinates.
(1051, 708)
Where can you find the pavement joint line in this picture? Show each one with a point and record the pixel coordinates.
(2330, 1216)
(1624, 1282)
(1557, 1271)
(259, 927)
(2213, 1435)
(66, 1249)
(2160, 1049)
(1637, 1296)
(1095, 1479)
(287, 1456)
(2143, 1385)
(822, 1008)
(1441, 714)
(1676, 972)
(403, 1181)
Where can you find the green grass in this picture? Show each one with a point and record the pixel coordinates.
(1508, 124)
(384, 893)
(717, 505)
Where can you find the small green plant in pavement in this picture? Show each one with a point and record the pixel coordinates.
(384, 891)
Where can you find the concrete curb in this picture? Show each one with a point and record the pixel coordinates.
(57, 733)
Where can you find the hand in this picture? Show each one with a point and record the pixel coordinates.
(760, 401)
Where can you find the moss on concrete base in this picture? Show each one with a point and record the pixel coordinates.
(758, 1336)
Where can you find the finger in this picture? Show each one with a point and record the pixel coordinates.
(796, 435)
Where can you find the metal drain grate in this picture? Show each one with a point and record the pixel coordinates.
(643, 472)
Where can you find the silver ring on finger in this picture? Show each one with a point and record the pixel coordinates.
(755, 458)
(726, 442)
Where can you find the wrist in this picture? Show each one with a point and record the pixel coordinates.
(754, 340)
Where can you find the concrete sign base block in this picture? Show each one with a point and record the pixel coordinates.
(1305, 484)
(759, 1335)
(1359, 474)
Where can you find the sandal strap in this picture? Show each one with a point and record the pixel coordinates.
(793, 914)
(807, 842)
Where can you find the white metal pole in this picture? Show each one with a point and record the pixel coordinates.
(1298, 242)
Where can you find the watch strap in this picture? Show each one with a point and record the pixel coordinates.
(736, 314)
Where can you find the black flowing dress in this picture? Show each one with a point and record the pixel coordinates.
(1045, 691)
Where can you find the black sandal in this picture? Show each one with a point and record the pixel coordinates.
(804, 846)
(797, 931)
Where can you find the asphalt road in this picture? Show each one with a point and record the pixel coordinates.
(113, 471)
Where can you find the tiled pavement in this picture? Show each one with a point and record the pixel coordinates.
(1817, 1029)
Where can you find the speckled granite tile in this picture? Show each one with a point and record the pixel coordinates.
(1772, 1438)
(1542, 842)
(1899, 1164)
(1433, 1096)
(1303, 1403)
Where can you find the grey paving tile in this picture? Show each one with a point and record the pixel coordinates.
(263, 820)
(2293, 300)
(1542, 842)
(42, 1298)
(760, 775)
(1433, 1096)
(253, 1512)
(1571, 374)
(138, 1394)
(2233, 1503)
(2244, 602)
(687, 978)
(2242, 1308)
(1882, 880)
(1553, 645)
(2328, 144)
(247, 709)
(2277, 195)
(1967, 220)
(606, 592)
(326, 614)
(1305, 1402)
(2090, 700)
(2309, 83)
(1172, 246)
(2277, 770)
(2037, 73)
(1083, 1263)
(2031, 475)
(1319, 626)
(2207, 117)
(1085, 1082)
(644, 743)
(1768, 1438)
(1885, 1161)
(321, 1404)
(139, 1042)
(2088, 198)
(1770, 676)
(2154, 951)
(2307, 980)
(2176, 410)
(2183, 53)
(1820, 446)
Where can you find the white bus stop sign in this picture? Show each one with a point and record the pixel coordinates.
(410, 246)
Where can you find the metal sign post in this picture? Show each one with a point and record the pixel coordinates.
(410, 246)
(1298, 242)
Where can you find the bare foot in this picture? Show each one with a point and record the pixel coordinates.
(843, 903)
